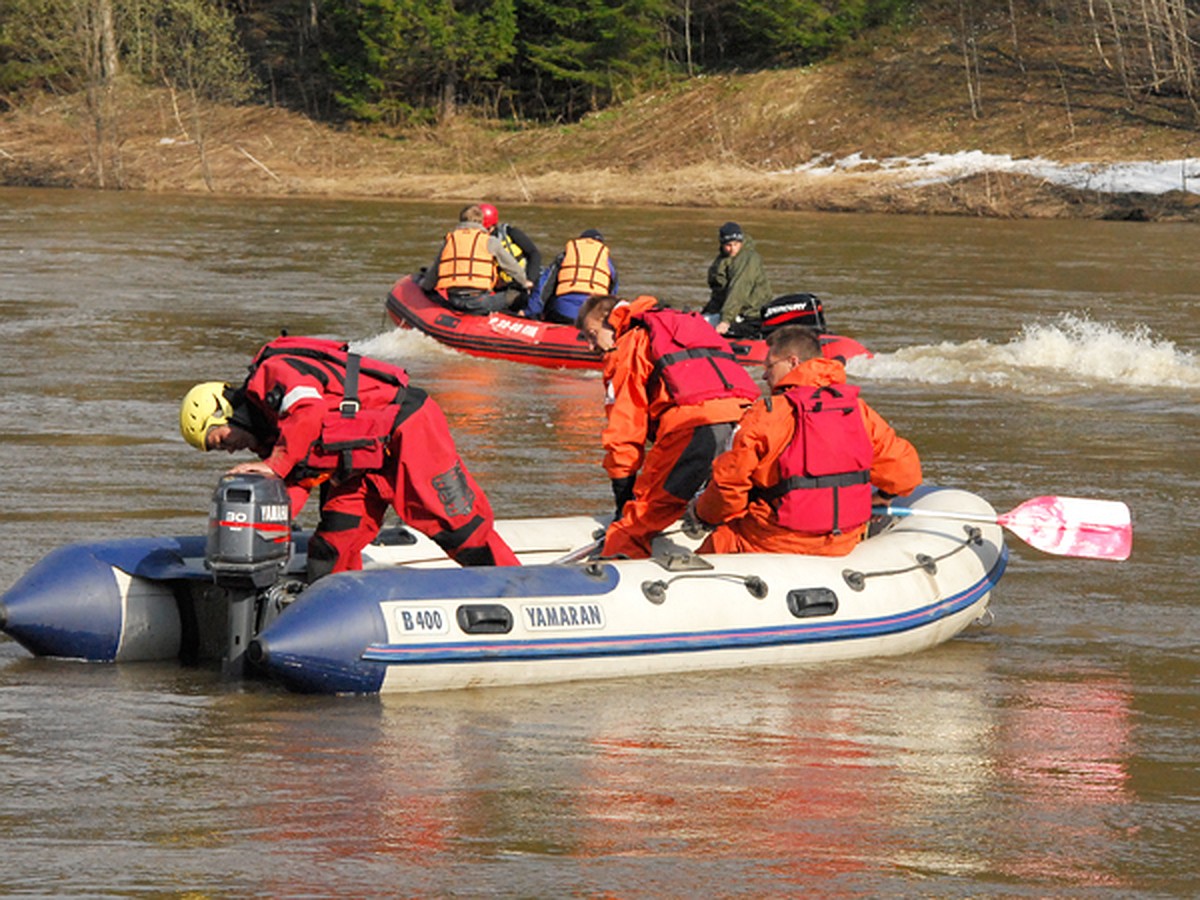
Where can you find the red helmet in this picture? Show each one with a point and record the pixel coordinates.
(491, 216)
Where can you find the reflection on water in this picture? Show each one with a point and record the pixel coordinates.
(1053, 754)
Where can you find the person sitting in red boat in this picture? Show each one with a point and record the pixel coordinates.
(738, 283)
(467, 269)
(584, 269)
(524, 251)
(319, 414)
(798, 474)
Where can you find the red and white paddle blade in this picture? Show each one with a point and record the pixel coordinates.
(1073, 526)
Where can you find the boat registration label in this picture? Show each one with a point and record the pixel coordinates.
(522, 329)
(422, 620)
(563, 616)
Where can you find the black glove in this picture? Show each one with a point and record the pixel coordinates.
(623, 492)
(694, 526)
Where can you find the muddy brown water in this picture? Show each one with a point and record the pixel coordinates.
(1052, 754)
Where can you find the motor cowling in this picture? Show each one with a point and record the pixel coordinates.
(793, 309)
(249, 531)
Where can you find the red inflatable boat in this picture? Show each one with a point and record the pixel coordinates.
(501, 335)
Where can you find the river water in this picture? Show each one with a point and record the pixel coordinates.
(1052, 754)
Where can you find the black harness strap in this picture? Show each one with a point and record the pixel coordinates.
(707, 353)
(350, 404)
(321, 373)
(802, 482)
(322, 356)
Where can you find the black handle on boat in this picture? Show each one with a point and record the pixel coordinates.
(256, 652)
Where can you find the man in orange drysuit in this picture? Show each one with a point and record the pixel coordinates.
(797, 477)
(671, 382)
(389, 445)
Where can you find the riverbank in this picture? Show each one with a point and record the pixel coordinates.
(779, 139)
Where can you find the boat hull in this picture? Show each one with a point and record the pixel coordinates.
(547, 344)
(413, 620)
(900, 592)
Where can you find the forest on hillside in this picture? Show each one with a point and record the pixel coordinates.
(396, 63)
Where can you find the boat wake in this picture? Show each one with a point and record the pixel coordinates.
(1069, 353)
(399, 344)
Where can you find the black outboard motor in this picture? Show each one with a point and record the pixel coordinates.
(793, 309)
(249, 545)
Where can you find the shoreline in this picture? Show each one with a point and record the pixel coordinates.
(983, 194)
(257, 151)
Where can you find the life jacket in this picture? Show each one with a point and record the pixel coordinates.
(825, 472)
(692, 360)
(584, 268)
(466, 263)
(363, 402)
(503, 278)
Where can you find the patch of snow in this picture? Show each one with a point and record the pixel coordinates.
(941, 168)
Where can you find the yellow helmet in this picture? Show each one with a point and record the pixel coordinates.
(203, 407)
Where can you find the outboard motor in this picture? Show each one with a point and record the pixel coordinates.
(249, 545)
(793, 309)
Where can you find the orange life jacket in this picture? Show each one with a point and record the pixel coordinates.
(825, 472)
(584, 268)
(466, 263)
(693, 361)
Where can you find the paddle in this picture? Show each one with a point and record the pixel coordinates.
(579, 554)
(1067, 526)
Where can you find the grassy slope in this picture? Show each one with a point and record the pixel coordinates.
(715, 141)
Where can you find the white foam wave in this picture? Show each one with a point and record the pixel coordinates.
(397, 345)
(1066, 354)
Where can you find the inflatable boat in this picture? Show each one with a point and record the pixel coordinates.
(412, 620)
(501, 335)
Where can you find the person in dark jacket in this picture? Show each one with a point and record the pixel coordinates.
(739, 284)
(523, 249)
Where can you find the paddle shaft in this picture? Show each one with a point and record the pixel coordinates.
(1067, 526)
(901, 512)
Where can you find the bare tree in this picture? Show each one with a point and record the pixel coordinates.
(970, 54)
(95, 30)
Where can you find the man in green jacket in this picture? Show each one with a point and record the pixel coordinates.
(739, 284)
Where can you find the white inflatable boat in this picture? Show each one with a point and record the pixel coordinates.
(412, 620)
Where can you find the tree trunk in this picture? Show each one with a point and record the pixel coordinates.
(448, 106)
(107, 37)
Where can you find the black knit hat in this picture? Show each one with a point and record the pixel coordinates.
(731, 231)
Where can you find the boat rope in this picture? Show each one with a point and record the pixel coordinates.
(858, 580)
(656, 591)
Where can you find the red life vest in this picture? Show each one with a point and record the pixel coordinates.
(693, 361)
(362, 401)
(825, 472)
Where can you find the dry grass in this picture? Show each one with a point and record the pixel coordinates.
(720, 141)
